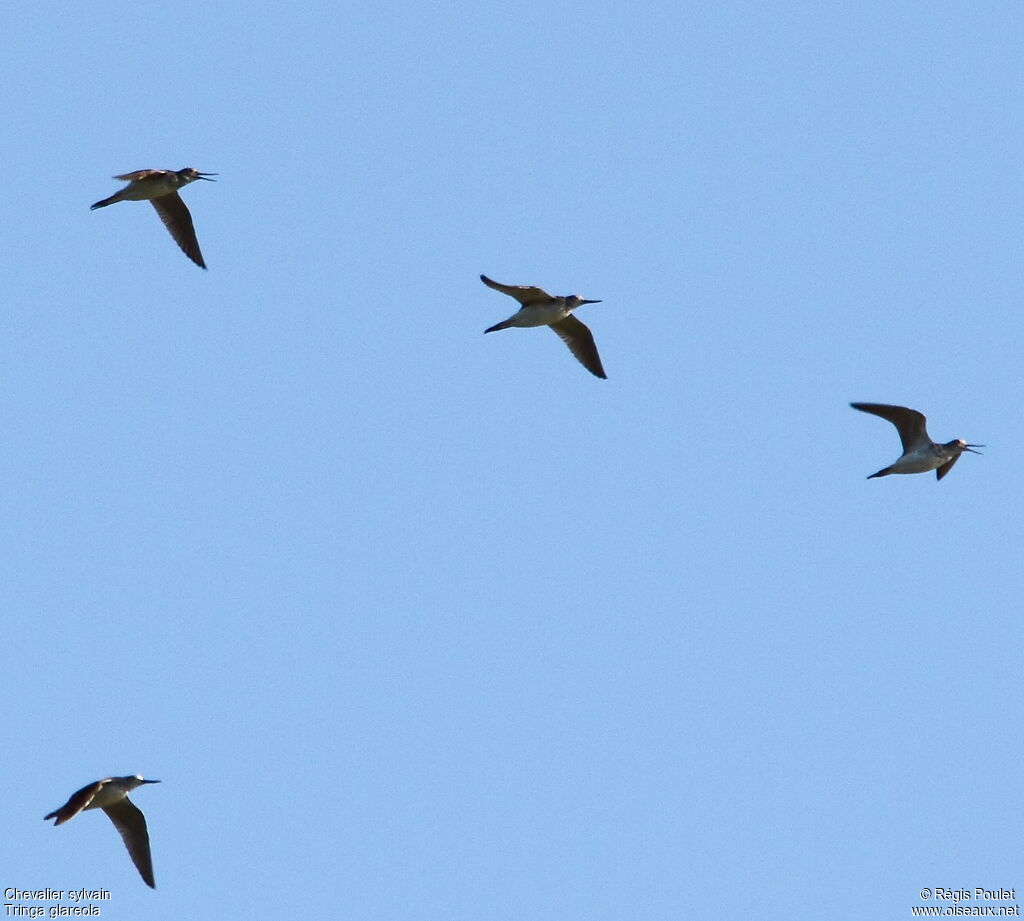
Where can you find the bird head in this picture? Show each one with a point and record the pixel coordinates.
(192, 174)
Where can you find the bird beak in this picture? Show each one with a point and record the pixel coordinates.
(206, 176)
(590, 302)
(972, 447)
(151, 781)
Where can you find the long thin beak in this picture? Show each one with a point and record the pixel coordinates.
(206, 176)
(972, 447)
(151, 781)
(590, 302)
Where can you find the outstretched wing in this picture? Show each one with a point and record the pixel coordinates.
(78, 801)
(525, 294)
(140, 174)
(909, 422)
(131, 824)
(178, 221)
(940, 472)
(581, 343)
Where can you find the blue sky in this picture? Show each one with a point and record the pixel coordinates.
(417, 623)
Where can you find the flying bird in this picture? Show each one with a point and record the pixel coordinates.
(111, 795)
(920, 453)
(160, 188)
(538, 308)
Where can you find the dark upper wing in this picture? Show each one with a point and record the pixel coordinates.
(131, 823)
(525, 294)
(75, 804)
(178, 221)
(140, 174)
(909, 422)
(581, 343)
(940, 472)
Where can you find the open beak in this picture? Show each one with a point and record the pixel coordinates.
(972, 447)
(206, 176)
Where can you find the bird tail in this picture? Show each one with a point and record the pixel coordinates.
(105, 202)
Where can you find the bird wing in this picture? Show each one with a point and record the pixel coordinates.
(909, 422)
(131, 825)
(140, 174)
(940, 472)
(581, 343)
(178, 221)
(78, 801)
(525, 294)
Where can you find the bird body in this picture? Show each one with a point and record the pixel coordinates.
(920, 453)
(111, 795)
(160, 187)
(540, 314)
(542, 309)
